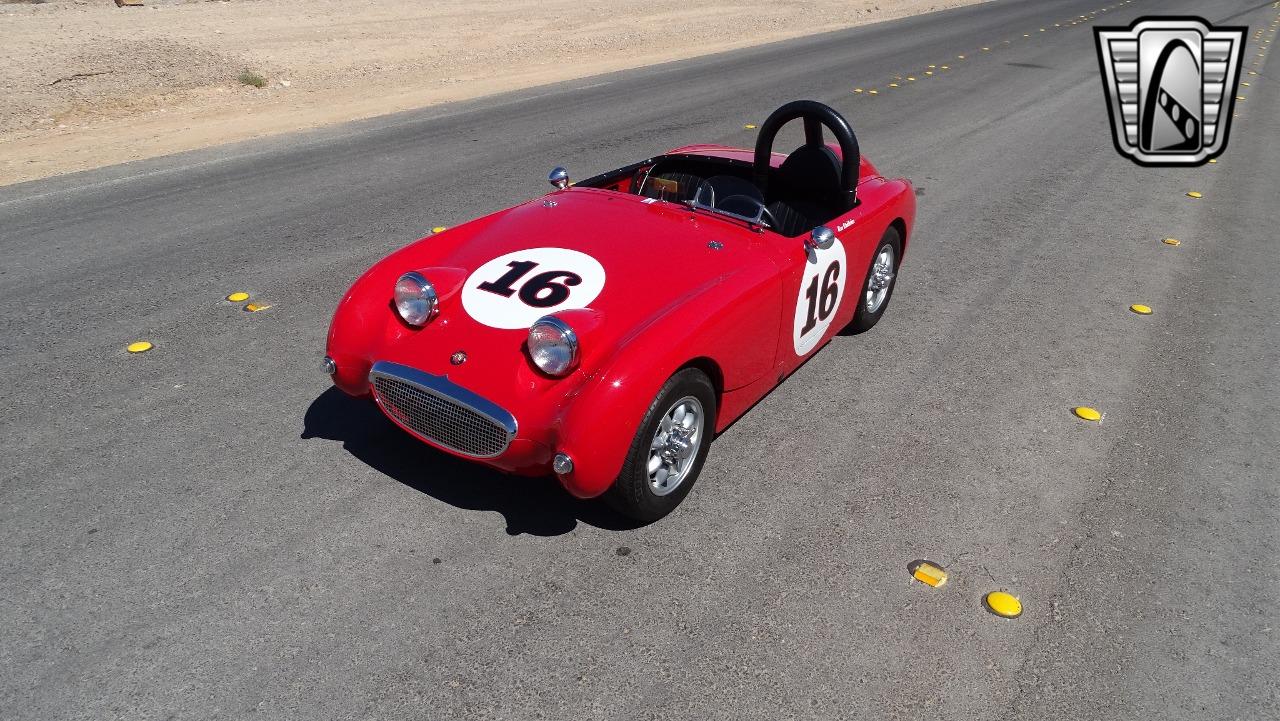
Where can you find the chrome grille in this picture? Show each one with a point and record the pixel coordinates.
(442, 412)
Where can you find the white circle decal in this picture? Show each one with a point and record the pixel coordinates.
(821, 290)
(514, 290)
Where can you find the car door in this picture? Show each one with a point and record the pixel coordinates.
(820, 287)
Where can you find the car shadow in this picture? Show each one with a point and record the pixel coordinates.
(537, 506)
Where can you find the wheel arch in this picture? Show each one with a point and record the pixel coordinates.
(901, 226)
(711, 368)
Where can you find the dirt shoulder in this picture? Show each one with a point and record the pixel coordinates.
(84, 83)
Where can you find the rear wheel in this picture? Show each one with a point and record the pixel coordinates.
(669, 449)
(877, 288)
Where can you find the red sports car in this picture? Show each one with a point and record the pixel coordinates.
(607, 331)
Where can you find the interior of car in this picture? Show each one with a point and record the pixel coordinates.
(803, 194)
(811, 187)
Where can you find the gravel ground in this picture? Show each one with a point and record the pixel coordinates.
(86, 84)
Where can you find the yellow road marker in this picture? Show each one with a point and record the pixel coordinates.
(873, 91)
(238, 297)
(928, 72)
(911, 78)
(1087, 413)
(439, 229)
(960, 57)
(1026, 35)
(748, 126)
(1041, 29)
(255, 307)
(1003, 604)
(893, 85)
(986, 50)
(946, 67)
(1141, 309)
(1171, 241)
(857, 90)
(1213, 160)
(928, 573)
(140, 347)
(931, 67)
(1240, 98)
(1195, 194)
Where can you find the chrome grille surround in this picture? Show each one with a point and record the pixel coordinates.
(441, 412)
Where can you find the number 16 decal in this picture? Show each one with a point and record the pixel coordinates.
(514, 290)
(821, 289)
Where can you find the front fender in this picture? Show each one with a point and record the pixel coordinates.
(722, 322)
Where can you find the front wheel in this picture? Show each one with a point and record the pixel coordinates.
(878, 286)
(669, 448)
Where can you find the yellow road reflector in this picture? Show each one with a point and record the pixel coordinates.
(1005, 605)
(1195, 194)
(1240, 98)
(748, 126)
(238, 297)
(931, 67)
(857, 90)
(946, 67)
(1213, 161)
(1087, 413)
(255, 307)
(140, 347)
(873, 91)
(911, 78)
(1026, 35)
(439, 229)
(986, 49)
(928, 72)
(1041, 29)
(1141, 309)
(1171, 241)
(928, 573)
(960, 57)
(1245, 84)
(893, 85)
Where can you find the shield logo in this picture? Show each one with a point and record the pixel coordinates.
(1171, 86)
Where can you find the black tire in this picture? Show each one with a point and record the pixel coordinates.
(631, 494)
(863, 319)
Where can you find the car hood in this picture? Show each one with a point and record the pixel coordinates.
(652, 255)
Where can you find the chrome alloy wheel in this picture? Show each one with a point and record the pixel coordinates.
(881, 278)
(675, 445)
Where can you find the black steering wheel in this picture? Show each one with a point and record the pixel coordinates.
(816, 116)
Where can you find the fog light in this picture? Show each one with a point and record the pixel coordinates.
(562, 464)
(330, 367)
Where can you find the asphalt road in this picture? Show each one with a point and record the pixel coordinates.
(208, 530)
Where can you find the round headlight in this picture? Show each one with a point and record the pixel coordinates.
(553, 346)
(416, 299)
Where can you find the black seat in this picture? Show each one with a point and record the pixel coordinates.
(805, 190)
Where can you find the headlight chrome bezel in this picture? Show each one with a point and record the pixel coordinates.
(566, 335)
(423, 291)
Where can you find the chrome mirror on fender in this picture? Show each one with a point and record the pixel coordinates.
(820, 238)
(559, 178)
